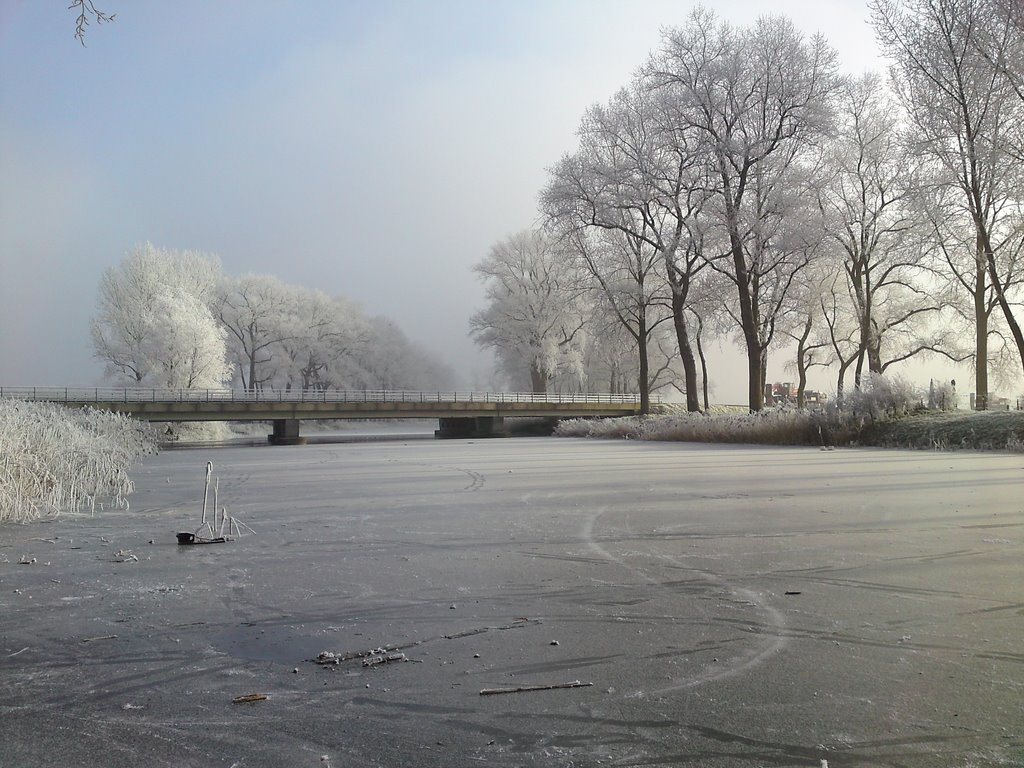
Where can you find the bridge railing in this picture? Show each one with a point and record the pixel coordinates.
(80, 395)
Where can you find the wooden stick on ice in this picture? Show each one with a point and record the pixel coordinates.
(526, 688)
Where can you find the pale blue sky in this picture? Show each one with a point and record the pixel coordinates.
(369, 149)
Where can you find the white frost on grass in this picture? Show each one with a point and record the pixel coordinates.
(778, 426)
(57, 460)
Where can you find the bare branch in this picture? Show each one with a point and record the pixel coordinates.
(87, 10)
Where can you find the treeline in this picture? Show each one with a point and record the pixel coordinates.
(173, 319)
(739, 186)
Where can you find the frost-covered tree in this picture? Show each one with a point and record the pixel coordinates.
(640, 173)
(259, 313)
(326, 337)
(626, 270)
(300, 339)
(172, 319)
(971, 306)
(872, 224)
(391, 360)
(806, 325)
(760, 96)
(950, 64)
(153, 325)
(188, 345)
(533, 318)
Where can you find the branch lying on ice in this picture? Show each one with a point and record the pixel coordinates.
(528, 688)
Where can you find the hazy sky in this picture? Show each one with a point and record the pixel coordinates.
(369, 149)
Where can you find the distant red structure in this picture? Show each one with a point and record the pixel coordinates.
(786, 393)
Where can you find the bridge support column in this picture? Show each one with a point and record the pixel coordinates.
(475, 426)
(286, 432)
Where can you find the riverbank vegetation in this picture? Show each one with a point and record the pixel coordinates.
(827, 428)
(885, 411)
(56, 460)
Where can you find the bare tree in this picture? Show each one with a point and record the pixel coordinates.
(841, 329)
(639, 172)
(390, 360)
(872, 223)
(969, 296)
(1001, 44)
(806, 324)
(327, 340)
(258, 313)
(86, 10)
(610, 352)
(625, 268)
(964, 113)
(759, 96)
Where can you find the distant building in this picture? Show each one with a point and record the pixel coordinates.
(995, 403)
(786, 393)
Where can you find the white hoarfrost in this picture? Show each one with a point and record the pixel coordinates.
(190, 343)
(535, 311)
(54, 459)
(154, 326)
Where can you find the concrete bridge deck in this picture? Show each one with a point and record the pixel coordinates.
(460, 414)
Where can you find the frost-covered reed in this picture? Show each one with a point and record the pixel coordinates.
(877, 399)
(55, 460)
(781, 426)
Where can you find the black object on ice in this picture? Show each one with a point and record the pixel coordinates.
(191, 538)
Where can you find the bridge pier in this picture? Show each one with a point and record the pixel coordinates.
(475, 426)
(286, 432)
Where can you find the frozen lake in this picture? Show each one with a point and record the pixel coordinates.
(731, 606)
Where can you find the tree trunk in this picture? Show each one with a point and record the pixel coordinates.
(703, 365)
(801, 363)
(748, 322)
(1004, 305)
(874, 350)
(980, 331)
(762, 360)
(755, 374)
(643, 378)
(843, 367)
(538, 380)
(685, 350)
(874, 358)
(858, 371)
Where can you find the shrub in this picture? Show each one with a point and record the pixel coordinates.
(883, 397)
(194, 431)
(55, 459)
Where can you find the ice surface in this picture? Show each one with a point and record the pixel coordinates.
(661, 569)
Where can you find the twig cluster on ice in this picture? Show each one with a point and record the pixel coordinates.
(223, 524)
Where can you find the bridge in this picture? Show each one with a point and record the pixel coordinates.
(460, 414)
